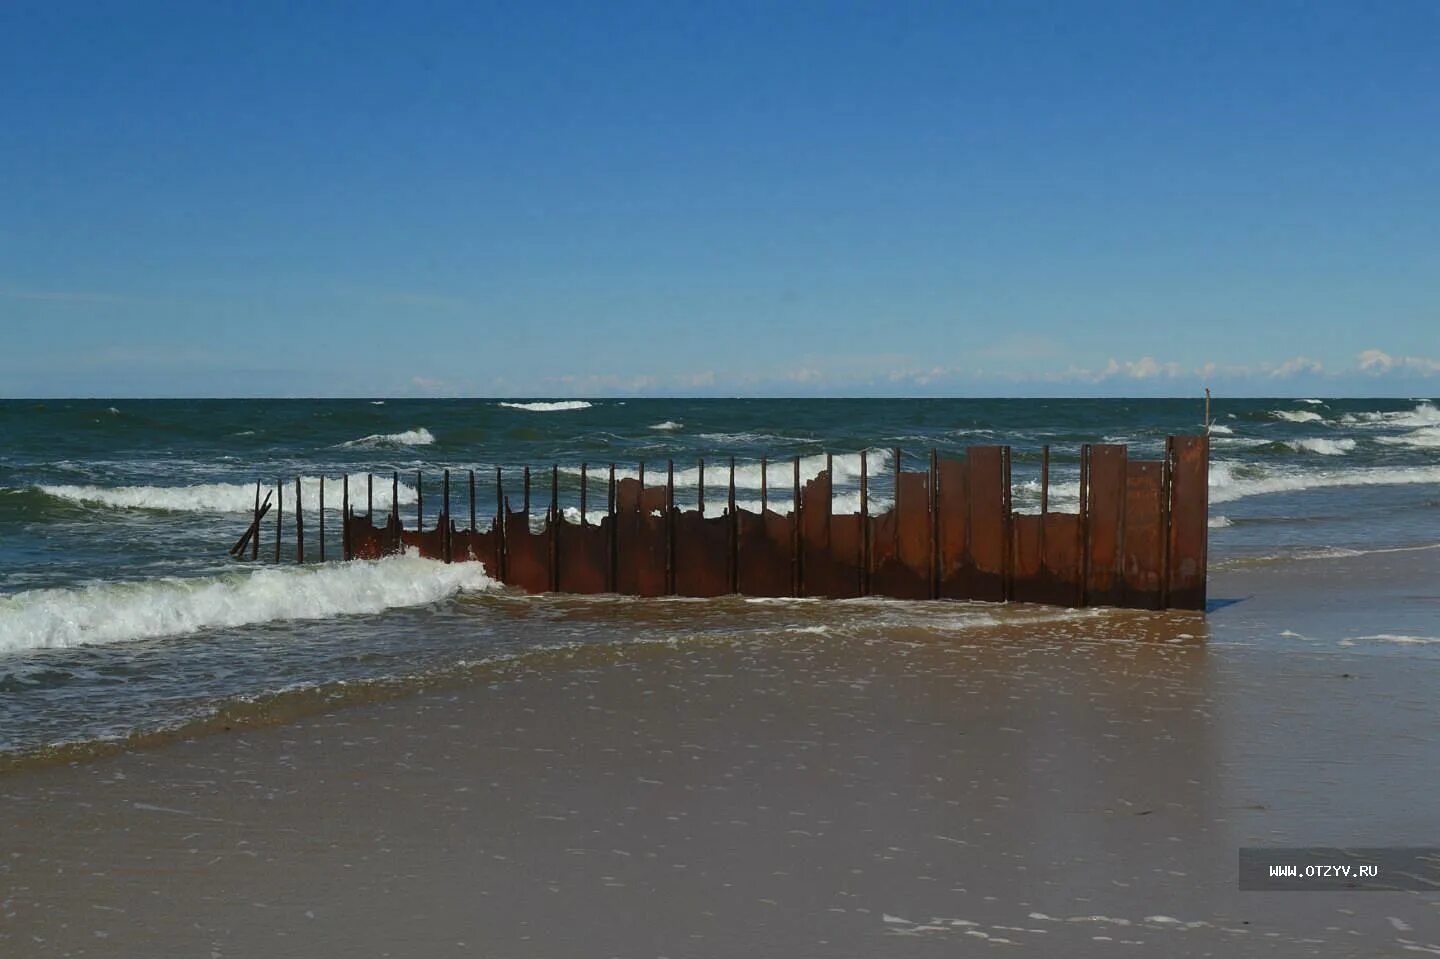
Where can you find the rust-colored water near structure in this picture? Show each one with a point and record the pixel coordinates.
(1138, 540)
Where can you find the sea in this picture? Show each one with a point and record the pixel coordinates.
(123, 616)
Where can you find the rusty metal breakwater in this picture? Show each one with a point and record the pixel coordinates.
(1138, 540)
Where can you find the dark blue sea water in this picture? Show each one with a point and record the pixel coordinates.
(120, 611)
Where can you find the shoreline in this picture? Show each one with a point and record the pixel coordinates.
(805, 794)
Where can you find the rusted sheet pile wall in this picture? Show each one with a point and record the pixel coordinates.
(1139, 539)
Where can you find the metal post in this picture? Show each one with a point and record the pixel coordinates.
(255, 543)
(345, 517)
(670, 527)
(472, 504)
(700, 499)
(734, 533)
(502, 520)
(322, 518)
(584, 499)
(419, 503)
(299, 524)
(934, 491)
(610, 552)
(445, 514)
(552, 527)
(370, 498)
(797, 571)
(764, 486)
(864, 523)
(279, 514)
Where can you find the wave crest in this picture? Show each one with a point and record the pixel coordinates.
(550, 407)
(227, 497)
(174, 606)
(419, 436)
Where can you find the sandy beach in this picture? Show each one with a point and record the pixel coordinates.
(1058, 784)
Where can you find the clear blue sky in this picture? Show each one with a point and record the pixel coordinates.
(573, 199)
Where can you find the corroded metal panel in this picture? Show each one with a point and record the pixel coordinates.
(953, 505)
(702, 554)
(1062, 559)
(430, 542)
(900, 542)
(1027, 552)
(640, 551)
(815, 564)
(988, 502)
(582, 555)
(766, 558)
(1189, 508)
(1105, 525)
(527, 555)
(483, 547)
(1143, 546)
(843, 573)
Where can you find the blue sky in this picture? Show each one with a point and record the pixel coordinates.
(737, 199)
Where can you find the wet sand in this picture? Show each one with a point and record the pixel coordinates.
(1076, 788)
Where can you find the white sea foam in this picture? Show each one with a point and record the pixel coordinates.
(172, 606)
(1297, 416)
(416, 437)
(1314, 402)
(230, 497)
(1322, 446)
(1226, 486)
(1221, 429)
(554, 407)
(1396, 639)
(1427, 437)
(1424, 414)
(667, 425)
(1220, 522)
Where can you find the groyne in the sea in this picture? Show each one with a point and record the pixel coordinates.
(1137, 540)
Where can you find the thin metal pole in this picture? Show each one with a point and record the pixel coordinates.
(502, 520)
(526, 510)
(552, 527)
(764, 487)
(734, 533)
(255, 543)
(299, 524)
(345, 517)
(279, 514)
(934, 491)
(864, 523)
(1044, 480)
(419, 503)
(670, 527)
(445, 515)
(472, 503)
(370, 498)
(584, 502)
(610, 524)
(797, 571)
(700, 498)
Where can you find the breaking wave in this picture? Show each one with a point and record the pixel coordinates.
(1226, 486)
(1424, 414)
(173, 606)
(554, 407)
(667, 425)
(1427, 437)
(415, 437)
(1297, 416)
(1322, 446)
(1221, 429)
(228, 497)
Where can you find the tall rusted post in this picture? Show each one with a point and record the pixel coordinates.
(395, 504)
(797, 571)
(1084, 525)
(1166, 480)
(370, 498)
(700, 497)
(502, 521)
(584, 489)
(864, 523)
(445, 514)
(1008, 512)
(1045, 482)
(897, 501)
(552, 527)
(419, 503)
(610, 551)
(526, 509)
(670, 527)
(345, 517)
(764, 486)
(279, 514)
(472, 505)
(255, 541)
(734, 533)
(933, 486)
(322, 518)
(299, 524)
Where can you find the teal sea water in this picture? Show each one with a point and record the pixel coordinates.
(121, 613)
